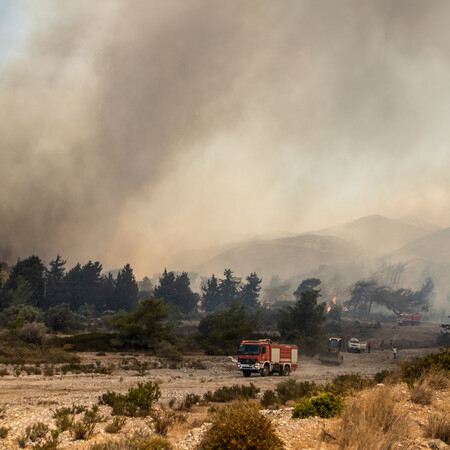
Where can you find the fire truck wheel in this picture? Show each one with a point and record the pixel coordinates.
(265, 372)
(286, 371)
(246, 373)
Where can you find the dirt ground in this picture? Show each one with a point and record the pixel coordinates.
(28, 399)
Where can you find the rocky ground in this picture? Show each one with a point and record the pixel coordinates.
(28, 399)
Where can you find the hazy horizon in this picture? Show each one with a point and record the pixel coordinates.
(133, 134)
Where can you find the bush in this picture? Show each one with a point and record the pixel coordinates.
(227, 394)
(434, 362)
(421, 394)
(189, 400)
(137, 402)
(33, 333)
(4, 432)
(438, 427)
(348, 383)
(374, 420)
(163, 421)
(240, 426)
(292, 390)
(116, 425)
(325, 405)
(269, 398)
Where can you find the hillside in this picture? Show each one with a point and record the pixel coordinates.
(287, 256)
(377, 234)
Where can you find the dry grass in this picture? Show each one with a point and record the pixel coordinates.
(438, 427)
(422, 394)
(374, 420)
(437, 381)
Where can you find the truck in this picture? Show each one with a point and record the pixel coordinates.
(265, 357)
(409, 319)
(332, 354)
(356, 346)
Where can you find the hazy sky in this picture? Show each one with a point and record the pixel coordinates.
(134, 130)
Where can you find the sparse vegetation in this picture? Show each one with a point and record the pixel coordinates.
(235, 392)
(116, 425)
(240, 426)
(137, 402)
(373, 419)
(438, 427)
(296, 390)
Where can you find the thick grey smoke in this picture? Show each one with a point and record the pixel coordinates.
(133, 130)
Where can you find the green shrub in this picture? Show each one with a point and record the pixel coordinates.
(269, 398)
(227, 394)
(303, 410)
(163, 421)
(380, 376)
(292, 390)
(240, 426)
(433, 362)
(116, 425)
(137, 402)
(188, 401)
(325, 405)
(346, 383)
(4, 432)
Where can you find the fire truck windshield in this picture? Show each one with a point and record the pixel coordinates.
(246, 349)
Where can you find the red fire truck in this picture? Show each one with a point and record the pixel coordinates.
(264, 357)
(408, 319)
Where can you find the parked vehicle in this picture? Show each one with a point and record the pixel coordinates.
(264, 357)
(332, 354)
(356, 346)
(409, 319)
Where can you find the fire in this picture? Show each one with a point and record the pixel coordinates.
(333, 303)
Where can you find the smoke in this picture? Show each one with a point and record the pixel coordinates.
(132, 131)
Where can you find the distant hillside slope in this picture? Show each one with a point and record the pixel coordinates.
(434, 247)
(377, 234)
(285, 257)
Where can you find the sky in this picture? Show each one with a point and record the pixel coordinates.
(131, 131)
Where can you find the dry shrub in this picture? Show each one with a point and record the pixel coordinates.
(240, 426)
(422, 394)
(438, 427)
(437, 381)
(374, 420)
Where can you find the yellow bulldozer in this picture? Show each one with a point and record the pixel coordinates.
(332, 353)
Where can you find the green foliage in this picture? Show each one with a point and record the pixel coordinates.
(145, 326)
(176, 290)
(116, 425)
(380, 376)
(61, 318)
(249, 293)
(295, 390)
(137, 441)
(436, 362)
(137, 402)
(163, 421)
(90, 342)
(4, 432)
(221, 332)
(365, 293)
(269, 398)
(240, 426)
(227, 394)
(189, 400)
(325, 405)
(126, 290)
(301, 323)
(347, 383)
(309, 284)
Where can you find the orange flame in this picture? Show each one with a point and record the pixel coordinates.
(334, 300)
(328, 309)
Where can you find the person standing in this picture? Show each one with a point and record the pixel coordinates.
(394, 351)
(368, 346)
